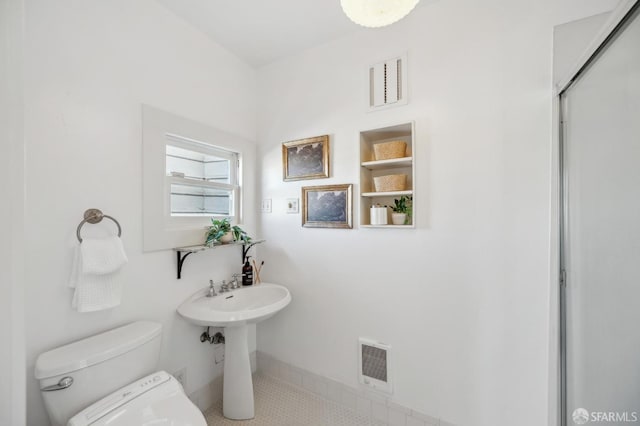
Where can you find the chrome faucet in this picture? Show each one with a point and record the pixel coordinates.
(212, 290)
(224, 287)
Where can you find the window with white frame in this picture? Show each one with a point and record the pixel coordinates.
(202, 180)
(191, 173)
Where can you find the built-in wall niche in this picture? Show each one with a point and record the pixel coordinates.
(371, 167)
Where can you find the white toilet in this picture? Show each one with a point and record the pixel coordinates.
(109, 379)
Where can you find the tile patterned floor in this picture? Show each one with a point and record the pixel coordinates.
(279, 403)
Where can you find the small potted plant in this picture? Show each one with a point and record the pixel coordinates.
(221, 232)
(239, 234)
(402, 210)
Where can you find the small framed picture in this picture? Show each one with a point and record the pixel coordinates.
(306, 159)
(327, 206)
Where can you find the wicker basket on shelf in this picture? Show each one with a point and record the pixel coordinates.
(389, 150)
(390, 183)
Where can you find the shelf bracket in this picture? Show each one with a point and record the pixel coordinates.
(181, 259)
(245, 250)
(183, 252)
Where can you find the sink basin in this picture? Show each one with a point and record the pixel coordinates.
(234, 311)
(246, 305)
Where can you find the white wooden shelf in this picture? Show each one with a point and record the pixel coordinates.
(183, 252)
(388, 164)
(203, 247)
(370, 168)
(387, 194)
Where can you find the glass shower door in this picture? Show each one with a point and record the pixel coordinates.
(601, 253)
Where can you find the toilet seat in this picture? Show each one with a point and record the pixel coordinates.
(157, 399)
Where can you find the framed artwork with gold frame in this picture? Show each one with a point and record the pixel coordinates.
(327, 206)
(305, 159)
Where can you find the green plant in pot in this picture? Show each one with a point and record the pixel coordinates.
(221, 232)
(240, 234)
(402, 210)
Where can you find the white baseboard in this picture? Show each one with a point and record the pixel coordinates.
(367, 403)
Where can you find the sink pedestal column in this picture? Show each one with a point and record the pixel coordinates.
(237, 393)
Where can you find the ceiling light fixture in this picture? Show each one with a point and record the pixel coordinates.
(377, 13)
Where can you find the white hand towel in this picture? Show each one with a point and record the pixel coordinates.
(101, 289)
(102, 255)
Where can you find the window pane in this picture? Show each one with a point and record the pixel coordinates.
(187, 200)
(217, 170)
(197, 165)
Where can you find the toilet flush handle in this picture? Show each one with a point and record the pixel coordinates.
(64, 383)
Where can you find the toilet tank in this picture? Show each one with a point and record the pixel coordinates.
(98, 365)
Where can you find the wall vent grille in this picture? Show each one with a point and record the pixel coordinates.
(374, 361)
(388, 83)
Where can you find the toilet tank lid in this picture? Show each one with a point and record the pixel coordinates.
(95, 349)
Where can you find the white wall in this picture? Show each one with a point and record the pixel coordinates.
(464, 298)
(570, 40)
(12, 381)
(89, 67)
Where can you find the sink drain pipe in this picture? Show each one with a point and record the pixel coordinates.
(216, 339)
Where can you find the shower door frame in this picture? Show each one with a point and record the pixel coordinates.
(626, 12)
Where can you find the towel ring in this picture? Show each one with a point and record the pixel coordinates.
(94, 216)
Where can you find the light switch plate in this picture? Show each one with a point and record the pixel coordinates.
(266, 205)
(293, 205)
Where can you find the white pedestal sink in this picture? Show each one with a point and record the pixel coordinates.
(234, 311)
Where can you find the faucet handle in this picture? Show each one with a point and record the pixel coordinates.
(212, 289)
(234, 283)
